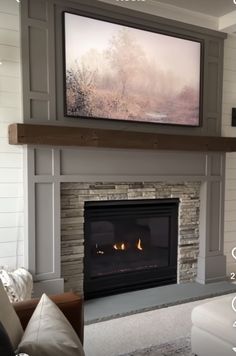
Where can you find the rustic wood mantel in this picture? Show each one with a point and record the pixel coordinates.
(86, 137)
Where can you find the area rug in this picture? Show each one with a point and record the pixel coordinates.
(181, 347)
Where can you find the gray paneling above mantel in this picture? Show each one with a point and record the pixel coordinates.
(43, 65)
(46, 168)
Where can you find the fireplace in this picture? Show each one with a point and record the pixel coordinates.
(129, 244)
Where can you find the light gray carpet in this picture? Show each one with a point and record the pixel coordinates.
(181, 347)
(153, 333)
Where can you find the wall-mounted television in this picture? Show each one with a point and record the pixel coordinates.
(120, 72)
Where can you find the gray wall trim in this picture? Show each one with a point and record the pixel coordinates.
(51, 287)
(44, 104)
(210, 171)
(30, 218)
(99, 7)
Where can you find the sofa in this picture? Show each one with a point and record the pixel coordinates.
(49, 326)
(70, 304)
(212, 328)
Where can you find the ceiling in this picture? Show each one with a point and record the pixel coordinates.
(215, 8)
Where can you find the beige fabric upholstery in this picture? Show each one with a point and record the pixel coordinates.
(212, 331)
(206, 344)
(9, 319)
(49, 333)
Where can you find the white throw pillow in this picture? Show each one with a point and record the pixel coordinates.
(9, 318)
(49, 333)
(18, 284)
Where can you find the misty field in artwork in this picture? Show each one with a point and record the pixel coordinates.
(123, 73)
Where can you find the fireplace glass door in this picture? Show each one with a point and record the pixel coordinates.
(129, 245)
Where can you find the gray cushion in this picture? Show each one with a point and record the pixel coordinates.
(49, 333)
(9, 319)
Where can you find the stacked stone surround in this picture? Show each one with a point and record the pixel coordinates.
(73, 196)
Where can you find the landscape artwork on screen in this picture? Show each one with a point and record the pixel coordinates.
(122, 73)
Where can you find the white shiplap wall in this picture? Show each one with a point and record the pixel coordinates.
(229, 101)
(11, 157)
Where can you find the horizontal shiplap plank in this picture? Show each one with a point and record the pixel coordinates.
(230, 195)
(231, 174)
(229, 246)
(226, 120)
(230, 216)
(9, 7)
(10, 84)
(12, 190)
(9, 37)
(229, 52)
(230, 236)
(230, 155)
(228, 98)
(9, 53)
(229, 75)
(231, 162)
(8, 249)
(6, 148)
(11, 160)
(11, 220)
(230, 185)
(3, 129)
(230, 42)
(230, 205)
(12, 262)
(228, 131)
(231, 226)
(226, 109)
(11, 175)
(10, 69)
(229, 87)
(11, 234)
(229, 63)
(11, 205)
(10, 100)
(9, 21)
(10, 115)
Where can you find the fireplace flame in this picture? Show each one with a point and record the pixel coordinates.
(119, 246)
(99, 252)
(139, 245)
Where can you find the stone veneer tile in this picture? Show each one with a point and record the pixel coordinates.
(73, 196)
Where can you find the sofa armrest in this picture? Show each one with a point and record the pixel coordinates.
(70, 304)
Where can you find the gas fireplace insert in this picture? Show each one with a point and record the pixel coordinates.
(129, 245)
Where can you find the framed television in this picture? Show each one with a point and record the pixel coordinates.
(119, 72)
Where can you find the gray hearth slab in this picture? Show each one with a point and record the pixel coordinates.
(115, 306)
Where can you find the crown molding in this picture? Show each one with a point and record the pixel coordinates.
(169, 11)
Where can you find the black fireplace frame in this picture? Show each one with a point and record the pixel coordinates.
(120, 283)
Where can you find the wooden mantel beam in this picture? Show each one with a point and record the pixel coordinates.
(86, 137)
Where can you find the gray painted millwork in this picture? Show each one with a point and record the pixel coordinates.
(46, 168)
(42, 51)
(103, 165)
